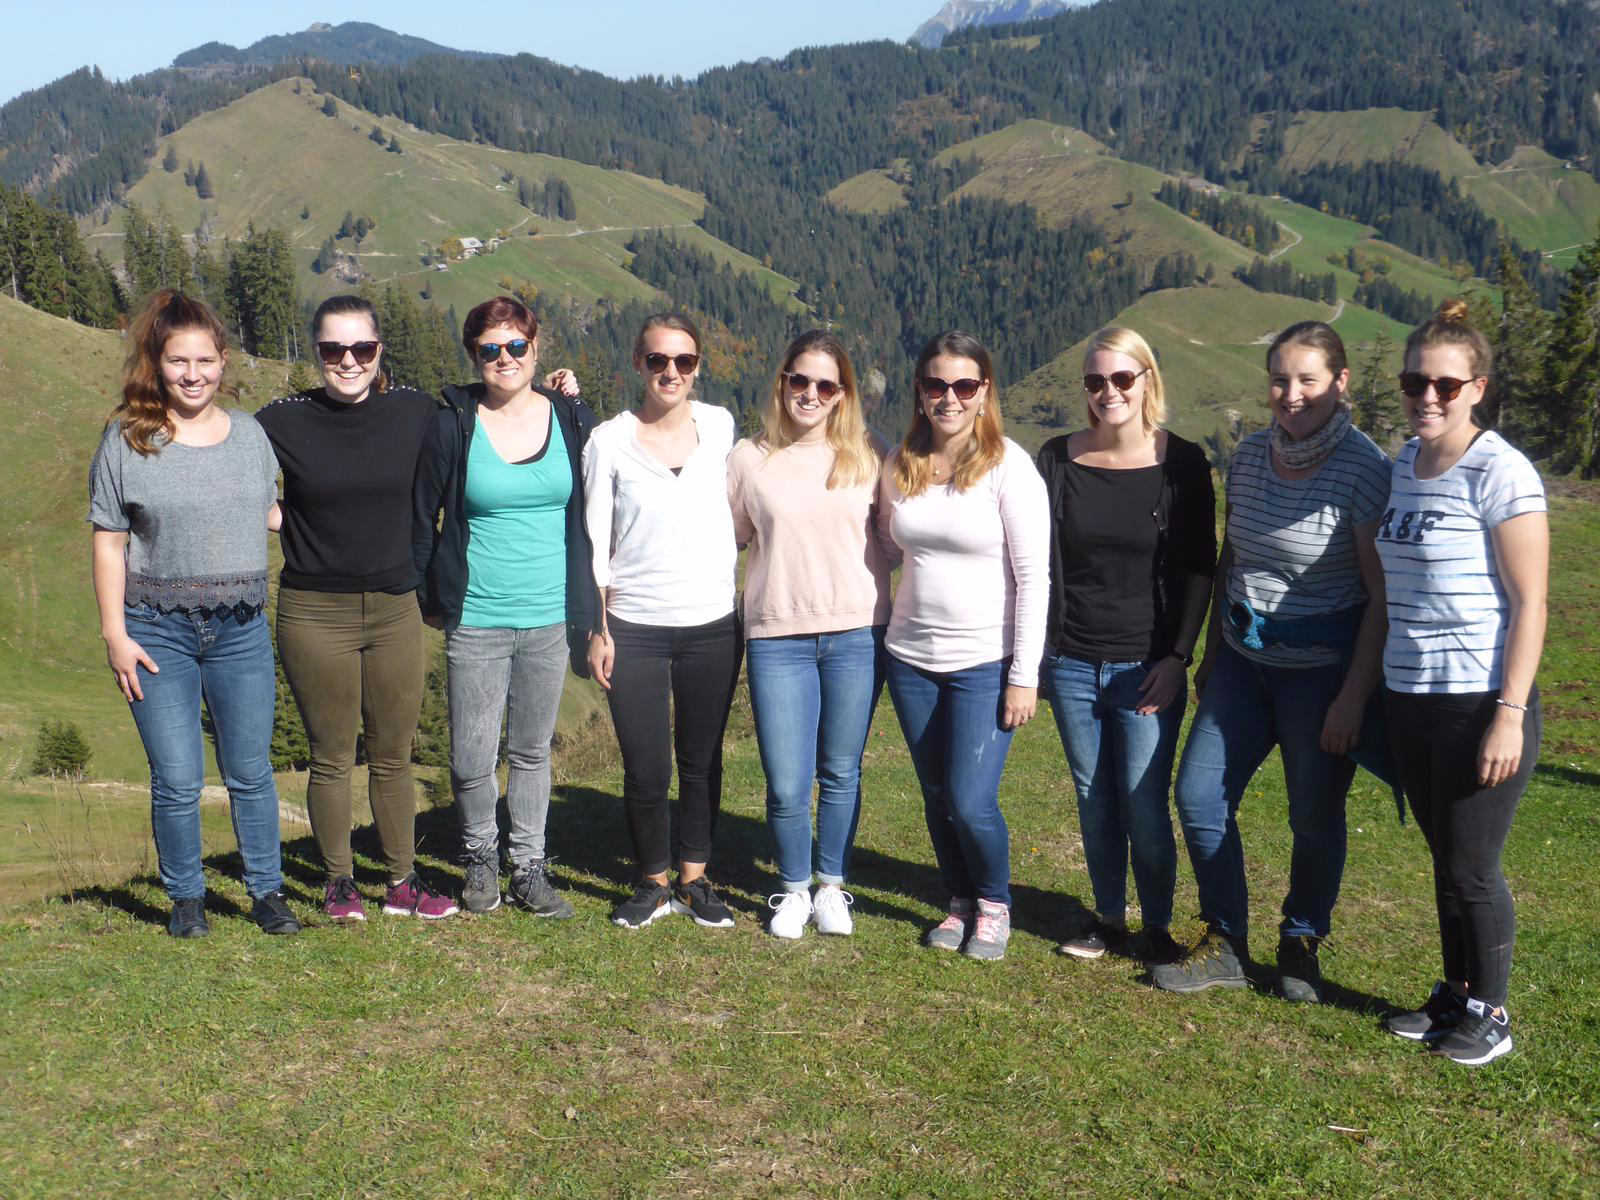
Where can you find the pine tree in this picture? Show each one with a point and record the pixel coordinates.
(376, 135)
(1374, 397)
(202, 184)
(169, 164)
(329, 108)
(327, 255)
(1573, 372)
(1520, 339)
(59, 748)
(290, 749)
(347, 227)
(394, 145)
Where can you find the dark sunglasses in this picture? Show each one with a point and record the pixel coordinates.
(1121, 380)
(489, 352)
(332, 353)
(657, 363)
(1415, 385)
(827, 389)
(934, 388)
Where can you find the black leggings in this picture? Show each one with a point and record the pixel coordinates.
(695, 668)
(1436, 737)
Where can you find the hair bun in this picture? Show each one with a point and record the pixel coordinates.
(1453, 310)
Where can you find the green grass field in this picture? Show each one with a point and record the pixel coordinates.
(268, 155)
(501, 1056)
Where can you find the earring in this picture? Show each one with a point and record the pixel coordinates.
(980, 410)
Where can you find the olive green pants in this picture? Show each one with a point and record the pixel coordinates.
(354, 661)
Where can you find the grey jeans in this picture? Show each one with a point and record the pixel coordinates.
(493, 671)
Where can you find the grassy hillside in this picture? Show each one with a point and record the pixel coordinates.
(503, 1056)
(273, 155)
(1539, 201)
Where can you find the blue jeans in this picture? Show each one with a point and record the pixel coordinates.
(951, 721)
(230, 665)
(492, 671)
(1121, 764)
(813, 697)
(1246, 709)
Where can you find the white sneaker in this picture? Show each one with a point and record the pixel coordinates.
(791, 911)
(831, 910)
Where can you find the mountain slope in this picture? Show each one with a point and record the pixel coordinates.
(349, 42)
(273, 155)
(967, 14)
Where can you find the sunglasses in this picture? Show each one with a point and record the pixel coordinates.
(332, 353)
(934, 388)
(489, 352)
(657, 363)
(1121, 380)
(1415, 385)
(827, 389)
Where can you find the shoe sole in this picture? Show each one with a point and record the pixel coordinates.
(684, 910)
(355, 918)
(845, 932)
(1190, 988)
(280, 930)
(786, 937)
(469, 906)
(1495, 1051)
(1079, 952)
(389, 911)
(665, 910)
(1427, 1035)
(983, 956)
(188, 934)
(1311, 995)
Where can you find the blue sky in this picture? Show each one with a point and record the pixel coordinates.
(624, 38)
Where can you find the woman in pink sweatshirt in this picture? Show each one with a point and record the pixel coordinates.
(815, 603)
(965, 510)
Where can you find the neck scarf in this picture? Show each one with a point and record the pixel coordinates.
(1314, 450)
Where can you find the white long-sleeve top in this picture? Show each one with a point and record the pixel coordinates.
(663, 543)
(975, 575)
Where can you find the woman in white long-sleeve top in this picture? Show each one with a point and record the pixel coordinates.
(965, 511)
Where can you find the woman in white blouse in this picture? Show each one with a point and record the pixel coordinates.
(965, 511)
(656, 503)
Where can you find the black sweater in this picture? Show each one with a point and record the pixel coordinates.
(1184, 518)
(439, 547)
(347, 473)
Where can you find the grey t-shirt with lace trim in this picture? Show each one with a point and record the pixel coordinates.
(195, 516)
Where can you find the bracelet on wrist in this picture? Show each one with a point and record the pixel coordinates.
(1186, 659)
(1508, 704)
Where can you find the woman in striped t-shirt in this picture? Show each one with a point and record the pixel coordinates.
(1291, 658)
(1465, 546)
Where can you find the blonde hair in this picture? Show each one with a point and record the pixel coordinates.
(983, 450)
(854, 460)
(1120, 340)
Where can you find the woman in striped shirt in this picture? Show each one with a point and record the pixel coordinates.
(1465, 545)
(1291, 658)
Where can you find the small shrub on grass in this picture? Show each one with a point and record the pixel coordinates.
(60, 749)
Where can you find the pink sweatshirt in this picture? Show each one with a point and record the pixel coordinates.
(815, 565)
(975, 580)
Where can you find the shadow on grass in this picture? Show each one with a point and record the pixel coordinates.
(1567, 774)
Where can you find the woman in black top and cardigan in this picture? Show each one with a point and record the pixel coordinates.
(1133, 546)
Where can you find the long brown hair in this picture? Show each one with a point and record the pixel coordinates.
(854, 460)
(984, 449)
(143, 410)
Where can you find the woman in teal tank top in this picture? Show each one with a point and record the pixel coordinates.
(501, 465)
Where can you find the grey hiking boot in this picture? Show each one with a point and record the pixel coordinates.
(990, 932)
(481, 892)
(1299, 973)
(1215, 962)
(531, 889)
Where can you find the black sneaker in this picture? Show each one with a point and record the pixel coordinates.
(271, 912)
(1215, 962)
(650, 902)
(1093, 940)
(531, 889)
(1482, 1035)
(697, 899)
(1160, 948)
(188, 918)
(481, 892)
(1442, 1013)
(1299, 973)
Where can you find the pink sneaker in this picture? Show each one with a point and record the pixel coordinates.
(341, 902)
(950, 933)
(412, 898)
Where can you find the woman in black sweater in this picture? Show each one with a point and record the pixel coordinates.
(1133, 546)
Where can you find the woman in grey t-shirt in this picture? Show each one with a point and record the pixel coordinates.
(181, 494)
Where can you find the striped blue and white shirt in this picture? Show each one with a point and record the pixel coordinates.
(1293, 540)
(1447, 609)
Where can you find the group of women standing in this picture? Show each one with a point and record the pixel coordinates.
(538, 538)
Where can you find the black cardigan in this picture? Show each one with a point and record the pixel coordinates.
(1186, 542)
(439, 548)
